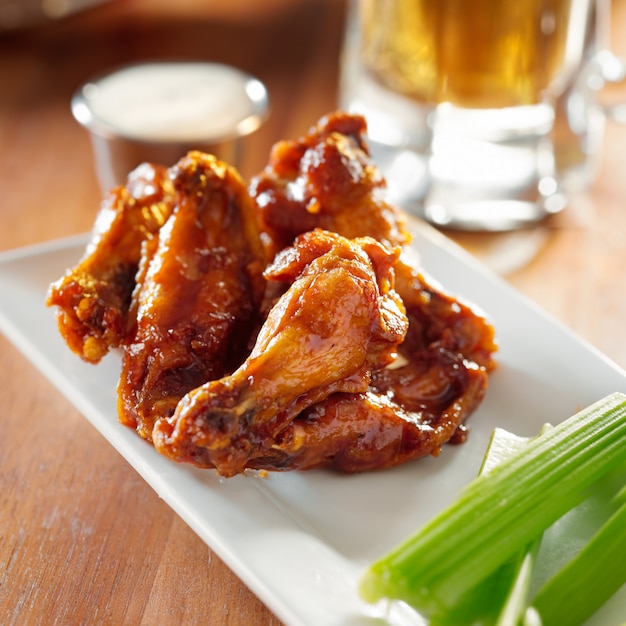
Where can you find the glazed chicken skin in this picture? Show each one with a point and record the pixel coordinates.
(93, 298)
(326, 179)
(373, 430)
(282, 325)
(198, 293)
(442, 374)
(440, 319)
(339, 319)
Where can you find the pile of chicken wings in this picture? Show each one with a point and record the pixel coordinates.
(284, 323)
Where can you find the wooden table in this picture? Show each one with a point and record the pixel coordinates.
(83, 540)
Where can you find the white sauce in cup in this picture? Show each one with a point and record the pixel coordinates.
(167, 107)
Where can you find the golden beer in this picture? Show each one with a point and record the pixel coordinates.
(471, 53)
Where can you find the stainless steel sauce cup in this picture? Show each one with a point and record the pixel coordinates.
(158, 111)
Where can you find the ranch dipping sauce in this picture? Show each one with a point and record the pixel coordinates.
(158, 111)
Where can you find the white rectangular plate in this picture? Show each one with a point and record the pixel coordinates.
(300, 540)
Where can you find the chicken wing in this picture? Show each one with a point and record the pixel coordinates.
(378, 429)
(342, 353)
(339, 320)
(199, 295)
(326, 179)
(93, 298)
(441, 319)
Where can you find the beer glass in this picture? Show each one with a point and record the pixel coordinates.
(461, 98)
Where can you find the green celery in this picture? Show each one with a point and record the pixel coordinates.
(587, 581)
(501, 598)
(498, 514)
(502, 445)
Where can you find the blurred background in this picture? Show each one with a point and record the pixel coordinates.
(49, 47)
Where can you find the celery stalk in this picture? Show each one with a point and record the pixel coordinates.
(582, 586)
(502, 445)
(500, 513)
(500, 599)
(514, 606)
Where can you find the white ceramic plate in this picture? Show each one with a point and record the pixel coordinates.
(300, 540)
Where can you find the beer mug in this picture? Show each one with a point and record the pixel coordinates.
(468, 101)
